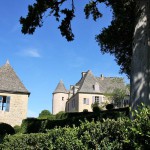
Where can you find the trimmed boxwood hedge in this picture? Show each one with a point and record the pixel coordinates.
(34, 125)
(111, 134)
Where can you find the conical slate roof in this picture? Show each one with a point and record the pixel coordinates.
(60, 88)
(9, 81)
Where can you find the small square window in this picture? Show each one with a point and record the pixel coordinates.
(86, 101)
(4, 103)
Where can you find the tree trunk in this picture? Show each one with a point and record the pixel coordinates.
(140, 72)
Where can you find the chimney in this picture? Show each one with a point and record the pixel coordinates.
(83, 73)
(71, 86)
(102, 77)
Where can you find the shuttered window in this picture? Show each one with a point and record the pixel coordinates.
(4, 103)
(1, 101)
(86, 101)
(97, 99)
(93, 99)
(7, 103)
(100, 99)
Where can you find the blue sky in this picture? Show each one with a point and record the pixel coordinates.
(43, 59)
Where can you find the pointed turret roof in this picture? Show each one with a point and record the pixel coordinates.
(9, 81)
(60, 88)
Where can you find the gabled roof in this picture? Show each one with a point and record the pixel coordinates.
(106, 84)
(86, 83)
(60, 88)
(10, 82)
(110, 83)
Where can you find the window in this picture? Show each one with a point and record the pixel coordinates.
(4, 103)
(96, 87)
(86, 101)
(97, 99)
(62, 98)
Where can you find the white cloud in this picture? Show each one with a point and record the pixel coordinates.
(31, 52)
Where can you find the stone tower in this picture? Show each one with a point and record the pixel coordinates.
(60, 97)
(140, 75)
(13, 97)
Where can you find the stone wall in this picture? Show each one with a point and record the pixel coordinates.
(73, 104)
(90, 97)
(17, 110)
(76, 104)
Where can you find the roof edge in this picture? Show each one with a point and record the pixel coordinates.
(60, 92)
(14, 92)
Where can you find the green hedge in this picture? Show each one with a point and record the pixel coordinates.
(110, 134)
(6, 129)
(34, 125)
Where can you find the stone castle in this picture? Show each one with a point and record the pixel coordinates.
(13, 97)
(88, 90)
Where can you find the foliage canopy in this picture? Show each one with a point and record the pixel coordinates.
(120, 134)
(118, 96)
(116, 39)
(45, 114)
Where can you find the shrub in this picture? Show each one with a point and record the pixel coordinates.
(6, 129)
(118, 96)
(111, 134)
(85, 111)
(34, 125)
(17, 129)
(109, 106)
(46, 114)
(95, 107)
(61, 115)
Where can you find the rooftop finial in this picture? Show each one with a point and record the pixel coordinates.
(61, 81)
(7, 62)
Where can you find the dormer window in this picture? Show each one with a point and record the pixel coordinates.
(96, 87)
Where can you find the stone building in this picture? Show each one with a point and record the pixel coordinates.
(88, 90)
(13, 97)
(60, 97)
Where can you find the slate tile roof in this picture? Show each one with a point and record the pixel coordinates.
(106, 84)
(86, 83)
(10, 82)
(60, 88)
